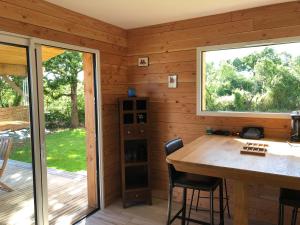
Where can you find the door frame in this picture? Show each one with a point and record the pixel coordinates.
(35, 67)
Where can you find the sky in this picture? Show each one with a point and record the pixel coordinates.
(222, 55)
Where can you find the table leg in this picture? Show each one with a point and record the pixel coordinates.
(183, 206)
(240, 203)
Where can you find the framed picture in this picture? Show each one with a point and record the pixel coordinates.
(144, 61)
(172, 81)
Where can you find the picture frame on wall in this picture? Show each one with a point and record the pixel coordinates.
(143, 61)
(172, 81)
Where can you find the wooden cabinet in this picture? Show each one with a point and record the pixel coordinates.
(134, 136)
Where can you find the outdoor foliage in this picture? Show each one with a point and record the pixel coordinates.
(64, 97)
(9, 97)
(58, 112)
(264, 81)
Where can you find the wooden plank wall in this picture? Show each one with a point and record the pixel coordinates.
(171, 48)
(44, 20)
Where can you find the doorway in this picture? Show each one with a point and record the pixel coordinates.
(62, 146)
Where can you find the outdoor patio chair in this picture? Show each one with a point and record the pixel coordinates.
(5, 148)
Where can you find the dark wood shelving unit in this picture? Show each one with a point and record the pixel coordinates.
(134, 136)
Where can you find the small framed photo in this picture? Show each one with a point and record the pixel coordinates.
(172, 81)
(144, 61)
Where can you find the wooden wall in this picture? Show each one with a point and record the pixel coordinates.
(44, 20)
(171, 48)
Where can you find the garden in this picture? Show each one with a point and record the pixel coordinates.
(64, 114)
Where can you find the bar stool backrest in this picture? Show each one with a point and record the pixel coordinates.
(170, 147)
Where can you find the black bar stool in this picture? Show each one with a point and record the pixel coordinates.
(199, 197)
(288, 197)
(191, 181)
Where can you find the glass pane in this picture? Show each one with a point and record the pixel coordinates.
(252, 79)
(70, 134)
(16, 171)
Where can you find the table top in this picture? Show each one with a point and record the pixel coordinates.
(220, 156)
(13, 125)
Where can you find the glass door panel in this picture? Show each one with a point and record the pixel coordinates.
(70, 131)
(16, 158)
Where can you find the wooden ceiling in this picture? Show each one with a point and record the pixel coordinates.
(13, 59)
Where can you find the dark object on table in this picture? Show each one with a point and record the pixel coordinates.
(235, 133)
(221, 132)
(209, 131)
(295, 133)
(252, 132)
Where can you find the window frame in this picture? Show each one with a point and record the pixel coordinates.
(199, 86)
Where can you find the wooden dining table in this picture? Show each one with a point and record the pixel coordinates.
(220, 156)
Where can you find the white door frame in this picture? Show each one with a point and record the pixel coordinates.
(35, 65)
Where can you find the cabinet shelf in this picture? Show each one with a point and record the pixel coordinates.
(137, 189)
(132, 164)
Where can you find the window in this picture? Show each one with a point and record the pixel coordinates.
(254, 79)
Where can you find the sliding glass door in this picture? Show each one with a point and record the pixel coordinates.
(68, 99)
(16, 158)
(49, 133)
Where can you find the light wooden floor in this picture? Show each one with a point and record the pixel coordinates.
(67, 196)
(143, 215)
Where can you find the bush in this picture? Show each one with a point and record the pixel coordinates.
(56, 119)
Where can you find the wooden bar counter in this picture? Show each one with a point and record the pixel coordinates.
(220, 156)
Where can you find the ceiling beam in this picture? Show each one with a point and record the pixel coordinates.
(13, 69)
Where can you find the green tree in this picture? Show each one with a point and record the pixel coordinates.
(8, 96)
(61, 80)
(262, 81)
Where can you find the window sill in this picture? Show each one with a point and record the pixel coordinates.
(246, 114)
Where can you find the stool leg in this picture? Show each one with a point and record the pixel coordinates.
(281, 214)
(198, 200)
(170, 198)
(211, 208)
(191, 203)
(221, 206)
(227, 199)
(183, 206)
(294, 216)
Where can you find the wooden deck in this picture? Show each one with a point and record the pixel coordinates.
(67, 196)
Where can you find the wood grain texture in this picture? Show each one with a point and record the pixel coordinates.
(172, 111)
(147, 215)
(90, 128)
(64, 188)
(41, 19)
(220, 156)
(240, 203)
(25, 15)
(171, 48)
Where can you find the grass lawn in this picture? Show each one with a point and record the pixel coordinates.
(65, 150)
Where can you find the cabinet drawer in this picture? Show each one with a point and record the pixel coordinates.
(141, 131)
(129, 131)
(137, 196)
